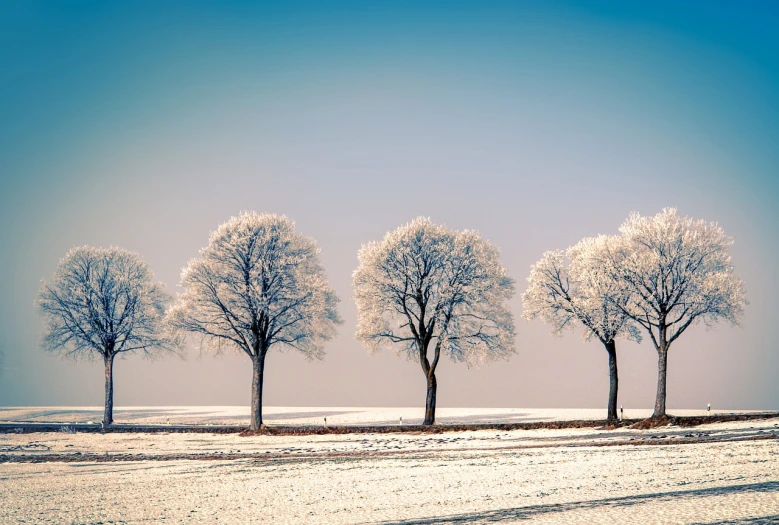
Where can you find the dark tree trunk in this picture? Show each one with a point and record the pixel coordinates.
(611, 348)
(258, 362)
(662, 366)
(108, 412)
(432, 385)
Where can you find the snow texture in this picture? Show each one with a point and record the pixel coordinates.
(549, 476)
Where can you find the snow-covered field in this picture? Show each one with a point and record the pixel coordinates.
(304, 416)
(488, 476)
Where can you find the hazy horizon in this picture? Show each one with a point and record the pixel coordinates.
(537, 124)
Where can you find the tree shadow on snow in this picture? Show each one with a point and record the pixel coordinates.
(531, 511)
(765, 520)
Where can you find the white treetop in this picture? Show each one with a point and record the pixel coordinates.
(578, 293)
(678, 272)
(103, 301)
(426, 284)
(258, 283)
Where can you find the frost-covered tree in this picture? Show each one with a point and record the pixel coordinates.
(104, 302)
(258, 284)
(678, 272)
(424, 287)
(569, 290)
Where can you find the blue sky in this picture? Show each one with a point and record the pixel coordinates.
(146, 125)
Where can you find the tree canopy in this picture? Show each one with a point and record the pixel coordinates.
(678, 271)
(258, 283)
(579, 293)
(103, 301)
(425, 283)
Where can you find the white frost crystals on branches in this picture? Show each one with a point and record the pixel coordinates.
(103, 301)
(258, 284)
(424, 285)
(578, 294)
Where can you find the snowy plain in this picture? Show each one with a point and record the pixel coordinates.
(714, 473)
(307, 416)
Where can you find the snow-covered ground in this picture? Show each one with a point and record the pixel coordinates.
(239, 415)
(548, 476)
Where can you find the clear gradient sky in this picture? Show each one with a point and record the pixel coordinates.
(146, 125)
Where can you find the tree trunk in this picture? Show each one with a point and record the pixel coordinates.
(108, 411)
(662, 366)
(258, 362)
(611, 348)
(430, 402)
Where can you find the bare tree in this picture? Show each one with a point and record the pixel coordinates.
(426, 285)
(581, 294)
(102, 301)
(677, 272)
(258, 284)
